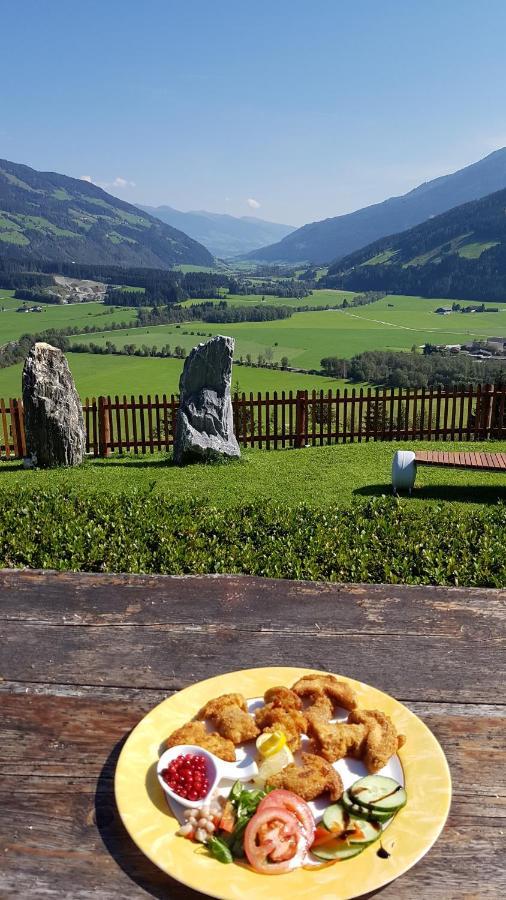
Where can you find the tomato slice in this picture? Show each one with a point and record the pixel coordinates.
(274, 841)
(294, 804)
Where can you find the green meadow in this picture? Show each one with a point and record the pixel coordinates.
(394, 323)
(13, 324)
(96, 375)
(317, 298)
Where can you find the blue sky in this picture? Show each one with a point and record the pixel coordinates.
(309, 108)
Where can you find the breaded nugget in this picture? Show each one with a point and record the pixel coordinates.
(283, 697)
(229, 715)
(335, 741)
(309, 780)
(339, 692)
(195, 733)
(235, 725)
(274, 718)
(381, 741)
(218, 704)
(321, 708)
(269, 715)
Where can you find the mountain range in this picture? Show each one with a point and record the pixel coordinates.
(460, 254)
(47, 216)
(332, 239)
(224, 236)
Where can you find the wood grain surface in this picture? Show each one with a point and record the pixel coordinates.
(84, 657)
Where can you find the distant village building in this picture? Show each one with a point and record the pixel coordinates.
(444, 310)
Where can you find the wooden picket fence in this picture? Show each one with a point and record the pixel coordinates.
(287, 419)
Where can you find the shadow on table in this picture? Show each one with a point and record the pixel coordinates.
(120, 845)
(456, 493)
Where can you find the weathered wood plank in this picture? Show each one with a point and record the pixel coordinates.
(69, 737)
(86, 599)
(54, 848)
(172, 657)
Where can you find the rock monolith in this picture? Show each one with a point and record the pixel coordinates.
(54, 425)
(205, 423)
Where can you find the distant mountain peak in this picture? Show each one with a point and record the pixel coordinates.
(224, 235)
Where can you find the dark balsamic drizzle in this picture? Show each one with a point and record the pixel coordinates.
(382, 853)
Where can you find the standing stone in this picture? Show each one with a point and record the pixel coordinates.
(54, 424)
(205, 423)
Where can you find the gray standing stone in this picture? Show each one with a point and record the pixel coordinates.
(205, 424)
(54, 424)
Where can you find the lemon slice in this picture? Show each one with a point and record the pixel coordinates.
(273, 764)
(270, 743)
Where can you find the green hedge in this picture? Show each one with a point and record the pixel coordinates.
(384, 540)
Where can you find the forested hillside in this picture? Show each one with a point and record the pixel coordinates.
(47, 216)
(331, 239)
(460, 254)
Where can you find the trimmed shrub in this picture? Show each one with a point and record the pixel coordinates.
(384, 540)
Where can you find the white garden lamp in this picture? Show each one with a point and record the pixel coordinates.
(403, 470)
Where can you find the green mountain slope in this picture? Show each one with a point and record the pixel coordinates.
(461, 254)
(47, 216)
(322, 242)
(223, 235)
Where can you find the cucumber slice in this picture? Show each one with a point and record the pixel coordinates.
(327, 851)
(370, 832)
(362, 812)
(378, 793)
(335, 818)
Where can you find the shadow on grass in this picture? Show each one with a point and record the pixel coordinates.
(119, 844)
(455, 493)
(147, 462)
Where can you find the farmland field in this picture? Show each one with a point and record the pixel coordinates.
(53, 315)
(394, 323)
(317, 298)
(96, 375)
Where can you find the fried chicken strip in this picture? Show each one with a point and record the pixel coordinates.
(275, 718)
(283, 697)
(313, 778)
(339, 692)
(335, 741)
(196, 733)
(229, 715)
(381, 740)
(218, 704)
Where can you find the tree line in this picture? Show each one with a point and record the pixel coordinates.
(404, 369)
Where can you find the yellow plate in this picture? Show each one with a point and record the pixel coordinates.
(152, 826)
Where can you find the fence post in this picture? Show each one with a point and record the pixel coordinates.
(300, 419)
(104, 431)
(18, 435)
(488, 405)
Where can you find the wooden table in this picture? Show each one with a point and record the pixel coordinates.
(85, 656)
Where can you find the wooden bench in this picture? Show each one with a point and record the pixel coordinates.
(462, 460)
(405, 463)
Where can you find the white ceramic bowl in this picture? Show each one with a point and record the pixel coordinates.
(217, 769)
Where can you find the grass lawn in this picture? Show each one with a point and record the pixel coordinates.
(322, 477)
(96, 375)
